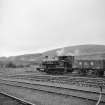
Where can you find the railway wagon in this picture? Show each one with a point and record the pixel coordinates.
(86, 66)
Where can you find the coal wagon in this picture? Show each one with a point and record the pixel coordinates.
(93, 66)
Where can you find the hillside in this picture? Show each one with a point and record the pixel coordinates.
(25, 59)
(79, 50)
(71, 50)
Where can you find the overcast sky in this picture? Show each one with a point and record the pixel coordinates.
(31, 26)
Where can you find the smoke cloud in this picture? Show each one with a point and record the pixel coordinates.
(60, 52)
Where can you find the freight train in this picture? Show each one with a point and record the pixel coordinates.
(73, 64)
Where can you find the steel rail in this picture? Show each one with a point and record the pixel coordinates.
(16, 98)
(100, 96)
(87, 82)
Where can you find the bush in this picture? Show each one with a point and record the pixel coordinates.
(11, 65)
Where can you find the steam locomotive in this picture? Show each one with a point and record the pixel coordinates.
(74, 65)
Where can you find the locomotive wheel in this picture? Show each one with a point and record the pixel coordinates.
(90, 72)
(83, 72)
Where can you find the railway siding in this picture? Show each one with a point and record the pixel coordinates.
(57, 88)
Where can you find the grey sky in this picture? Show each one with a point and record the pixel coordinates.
(28, 26)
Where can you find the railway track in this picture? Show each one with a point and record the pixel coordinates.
(63, 90)
(79, 81)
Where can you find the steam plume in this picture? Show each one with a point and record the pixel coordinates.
(60, 52)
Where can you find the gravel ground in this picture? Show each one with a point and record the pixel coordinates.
(5, 100)
(43, 98)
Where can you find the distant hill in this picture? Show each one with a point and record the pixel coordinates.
(78, 50)
(25, 59)
(70, 50)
